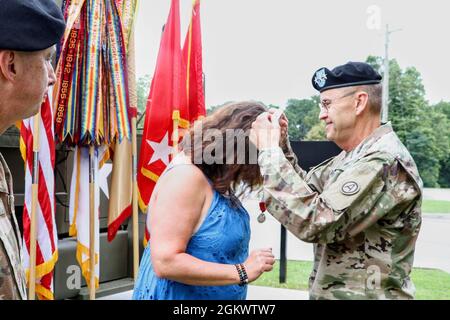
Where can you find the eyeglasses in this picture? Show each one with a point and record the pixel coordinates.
(326, 103)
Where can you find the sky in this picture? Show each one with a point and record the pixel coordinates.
(268, 50)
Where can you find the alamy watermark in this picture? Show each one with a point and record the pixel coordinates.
(373, 278)
(229, 146)
(73, 281)
(374, 17)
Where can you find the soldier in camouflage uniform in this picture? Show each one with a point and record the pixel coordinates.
(12, 278)
(28, 32)
(360, 209)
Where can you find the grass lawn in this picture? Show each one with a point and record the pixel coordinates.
(430, 284)
(435, 206)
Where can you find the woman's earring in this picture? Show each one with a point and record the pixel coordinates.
(262, 217)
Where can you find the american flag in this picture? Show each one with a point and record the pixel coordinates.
(46, 233)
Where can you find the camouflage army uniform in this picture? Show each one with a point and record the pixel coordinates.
(362, 211)
(12, 277)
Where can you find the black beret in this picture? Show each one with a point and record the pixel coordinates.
(30, 25)
(347, 75)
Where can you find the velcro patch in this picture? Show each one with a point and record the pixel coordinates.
(350, 188)
(361, 180)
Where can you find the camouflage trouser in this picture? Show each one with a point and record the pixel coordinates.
(8, 288)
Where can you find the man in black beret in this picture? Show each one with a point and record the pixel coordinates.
(360, 209)
(29, 29)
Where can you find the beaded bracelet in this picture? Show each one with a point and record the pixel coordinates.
(241, 275)
(244, 272)
(243, 278)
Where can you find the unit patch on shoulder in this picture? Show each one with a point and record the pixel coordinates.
(350, 188)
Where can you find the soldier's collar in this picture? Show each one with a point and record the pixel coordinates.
(371, 139)
(381, 131)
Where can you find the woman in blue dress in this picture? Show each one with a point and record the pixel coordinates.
(199, 230)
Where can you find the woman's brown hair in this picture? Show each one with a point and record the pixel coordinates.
(233, 166)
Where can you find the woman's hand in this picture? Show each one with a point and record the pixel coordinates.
(258, 262)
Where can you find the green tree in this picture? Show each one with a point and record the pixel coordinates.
(317, 132)
(444, 175)
(443, 107)
(303, 115)
(143, 90)
(423, 129)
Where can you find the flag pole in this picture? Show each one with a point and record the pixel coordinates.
(175, 137)
(91, 222)
(34, 195)
(135, 202)
(133, 105)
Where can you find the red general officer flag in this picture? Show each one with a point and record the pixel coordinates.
(192, 56)
(166, 109)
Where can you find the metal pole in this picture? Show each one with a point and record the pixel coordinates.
(283, 260)
(133, 104)
(92, 225)
(135, 203)
(34, 204)
(385, 113)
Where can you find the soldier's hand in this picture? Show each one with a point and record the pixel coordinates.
(284, 124)
(258, 262)
(264, 133)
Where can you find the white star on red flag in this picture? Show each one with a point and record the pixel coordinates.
(161, 150)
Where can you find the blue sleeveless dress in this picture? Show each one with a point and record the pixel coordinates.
(223, 237)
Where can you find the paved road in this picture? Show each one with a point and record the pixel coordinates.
(433, 245)
(436, 194)
(432, 249)
(253, 293)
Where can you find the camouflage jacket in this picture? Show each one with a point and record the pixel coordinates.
(12, 276)
(362, 211)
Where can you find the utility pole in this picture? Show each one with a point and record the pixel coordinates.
(385, 112)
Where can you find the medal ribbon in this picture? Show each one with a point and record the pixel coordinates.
(91, 89)
(118, 79)
(65, 72)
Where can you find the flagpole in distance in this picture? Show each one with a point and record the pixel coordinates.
(92, 222)
(135, 202)
(34, 195)
(133, 106)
